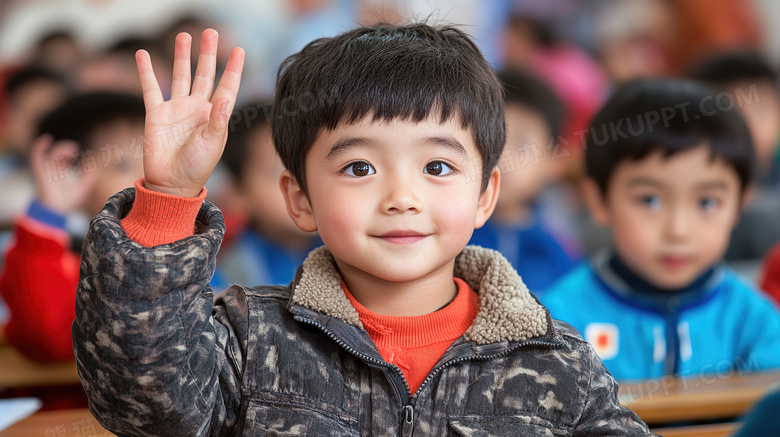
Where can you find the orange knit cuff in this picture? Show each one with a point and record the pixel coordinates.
(158, 218)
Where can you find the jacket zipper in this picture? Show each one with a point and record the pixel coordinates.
(438, 369)
(362, 356)
(408, 412)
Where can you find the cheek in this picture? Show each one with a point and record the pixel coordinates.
(456, 217)
(634, 233)
(339, 215)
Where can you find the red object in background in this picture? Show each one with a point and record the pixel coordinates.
(706, 26)
(771, 281)
(38, 283)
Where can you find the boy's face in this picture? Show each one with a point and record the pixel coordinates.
(671, 217)
(392, 200)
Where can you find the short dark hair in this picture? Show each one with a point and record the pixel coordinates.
(528, 90)
(31, 75)
(684, 115)
(77, 117)
(724, 69)
(237, 149)
(387, 72)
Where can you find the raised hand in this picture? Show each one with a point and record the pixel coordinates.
(185, 136)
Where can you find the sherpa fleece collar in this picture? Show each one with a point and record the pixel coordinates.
(507, 311)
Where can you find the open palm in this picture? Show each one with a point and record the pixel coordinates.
(184, 137)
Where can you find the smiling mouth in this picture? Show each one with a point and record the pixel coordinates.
(402, 237)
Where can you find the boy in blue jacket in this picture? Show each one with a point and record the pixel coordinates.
(668, 166)
(394, 327)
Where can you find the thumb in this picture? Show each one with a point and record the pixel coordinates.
(218, 118)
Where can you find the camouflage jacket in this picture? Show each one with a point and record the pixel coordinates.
(157, 356)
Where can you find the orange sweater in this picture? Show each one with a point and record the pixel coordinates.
(414, 344)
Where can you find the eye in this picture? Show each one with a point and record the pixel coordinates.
(438, 168)
(651, 202)
(359, 169)
(708, 204)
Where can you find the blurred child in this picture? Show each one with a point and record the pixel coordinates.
(531, 160)
(393, 327)
(30, 93)
(102, 133)
(272, 247)
(668, 172)
(750, 83)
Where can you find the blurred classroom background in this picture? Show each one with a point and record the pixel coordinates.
(61, 59)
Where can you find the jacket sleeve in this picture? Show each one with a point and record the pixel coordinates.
(602, 414)
(38, 284)
(155, 356)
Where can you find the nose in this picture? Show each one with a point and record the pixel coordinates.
(678, 224)
(401, 196)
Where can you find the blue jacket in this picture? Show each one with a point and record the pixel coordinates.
(532, 250)
(725, 325)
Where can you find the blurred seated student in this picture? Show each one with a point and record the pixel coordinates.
(540, 251)
(103, 134)
(271, 247)
(771, 277)
(750, 83)
(661, 301)
(30, 94)
(762, 420)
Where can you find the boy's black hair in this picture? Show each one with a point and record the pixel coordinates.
(77, 117)
(386, 72)
(667, 115)
(528, 90)
(237, 149)
(30, 75)
(732, 67)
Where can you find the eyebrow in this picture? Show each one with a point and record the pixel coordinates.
(344, 145)
(710, 185)
(713, 185)
(448, 142)
(641, 180)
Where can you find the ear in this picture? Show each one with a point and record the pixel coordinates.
(297, 202)
(488, 199)
(596, 202)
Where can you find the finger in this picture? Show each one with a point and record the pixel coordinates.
(64, 151)
(218, 118)
(180, 84)
(203, 85)
(149, 86)
(231, 79)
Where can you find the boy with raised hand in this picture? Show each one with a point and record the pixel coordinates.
(392, 328)
(670, 185)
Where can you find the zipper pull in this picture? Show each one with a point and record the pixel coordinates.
(408, 424)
